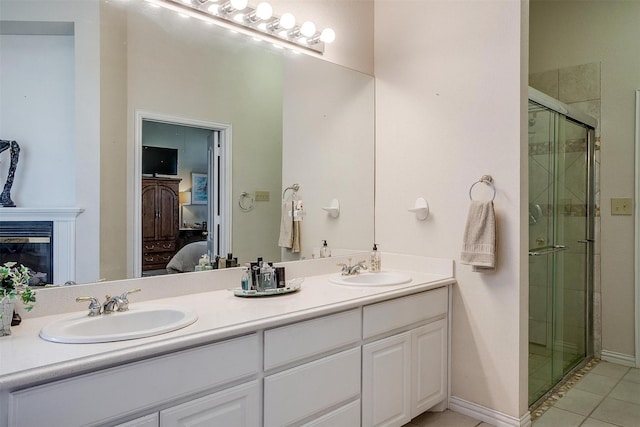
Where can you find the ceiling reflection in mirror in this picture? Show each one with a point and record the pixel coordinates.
(293, 119)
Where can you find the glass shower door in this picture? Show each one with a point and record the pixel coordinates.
(560, 230)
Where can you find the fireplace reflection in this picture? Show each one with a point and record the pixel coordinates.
(29, 243)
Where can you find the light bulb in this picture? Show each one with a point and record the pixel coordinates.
(287, 21)
(214, 8)
(308, 29)
(328, 35)
(239, 4)
(264, 10)
(186, 1)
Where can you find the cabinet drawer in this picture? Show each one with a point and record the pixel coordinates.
(157, 258)
(389, 315)
(159, 246)
(234, 407)
(345, 416)
(296, 342)
(117, 392)
(297, 393)
(151, 420)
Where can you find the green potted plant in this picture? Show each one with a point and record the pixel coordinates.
(14, 284)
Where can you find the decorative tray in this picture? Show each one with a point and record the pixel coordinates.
(293, 285)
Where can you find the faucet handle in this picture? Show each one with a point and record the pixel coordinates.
(94, 306)
(124, 301)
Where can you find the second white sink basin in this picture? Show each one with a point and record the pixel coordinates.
(383, 278)
(138, 322)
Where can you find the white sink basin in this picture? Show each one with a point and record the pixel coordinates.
(383, 278)
(138, 322)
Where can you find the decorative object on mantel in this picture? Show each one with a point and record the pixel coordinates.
(420, 208)
(14, 283)
(14, 149)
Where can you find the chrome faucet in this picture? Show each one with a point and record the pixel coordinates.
(350, 270)
(94, 306)
(123, 301)
(111, 304)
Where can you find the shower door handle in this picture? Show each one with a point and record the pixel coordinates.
(549, 250)
(586, 241)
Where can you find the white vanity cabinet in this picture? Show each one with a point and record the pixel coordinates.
(405, 373)
(109, 394)
(323, 386)
(378, 362)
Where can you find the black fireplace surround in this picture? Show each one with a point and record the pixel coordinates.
(29, 243)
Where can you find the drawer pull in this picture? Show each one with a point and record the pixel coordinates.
(149, 259)
(149, 247)
(167, 246)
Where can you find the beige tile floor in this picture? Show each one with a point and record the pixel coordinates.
(607, 396)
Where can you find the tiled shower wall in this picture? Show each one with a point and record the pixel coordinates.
(579, 86)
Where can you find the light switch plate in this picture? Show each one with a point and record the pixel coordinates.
(262, 196)
(621, 206)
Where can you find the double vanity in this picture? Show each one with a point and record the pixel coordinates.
(371, 351)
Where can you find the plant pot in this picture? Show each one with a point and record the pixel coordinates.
(6, 313)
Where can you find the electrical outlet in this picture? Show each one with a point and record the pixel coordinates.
(262, 196)
(621, 206)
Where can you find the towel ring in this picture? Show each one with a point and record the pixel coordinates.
(245, 207)
(486, 179)
(294, 187)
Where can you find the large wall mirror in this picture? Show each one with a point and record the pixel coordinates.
(292, 119)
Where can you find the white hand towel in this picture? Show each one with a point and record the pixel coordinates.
(479, 245)
(286, 226)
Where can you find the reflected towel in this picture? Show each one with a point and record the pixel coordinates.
(479, 245)
(295, 244)
(286, 226)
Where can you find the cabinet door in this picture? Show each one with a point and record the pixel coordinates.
(386, 381)
(238, 407)
(168, 222)
(149, 211)
(151, 420)
(429, 366)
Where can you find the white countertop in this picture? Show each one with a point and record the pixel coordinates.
(26, 359)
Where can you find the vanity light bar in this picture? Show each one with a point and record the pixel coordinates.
(260, 21)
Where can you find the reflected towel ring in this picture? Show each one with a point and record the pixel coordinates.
(294, 187)
(487, 179)
(244, 207)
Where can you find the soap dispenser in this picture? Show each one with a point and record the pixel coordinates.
(325, 252)
(374, 260)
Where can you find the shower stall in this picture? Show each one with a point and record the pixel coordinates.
(561, 230)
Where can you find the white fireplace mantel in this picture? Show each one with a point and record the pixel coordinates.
(64, 235)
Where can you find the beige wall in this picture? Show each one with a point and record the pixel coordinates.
(569, 33)
(450, 101)
(113, 146)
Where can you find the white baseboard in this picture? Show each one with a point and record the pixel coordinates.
(618, 358)
(487, 415)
